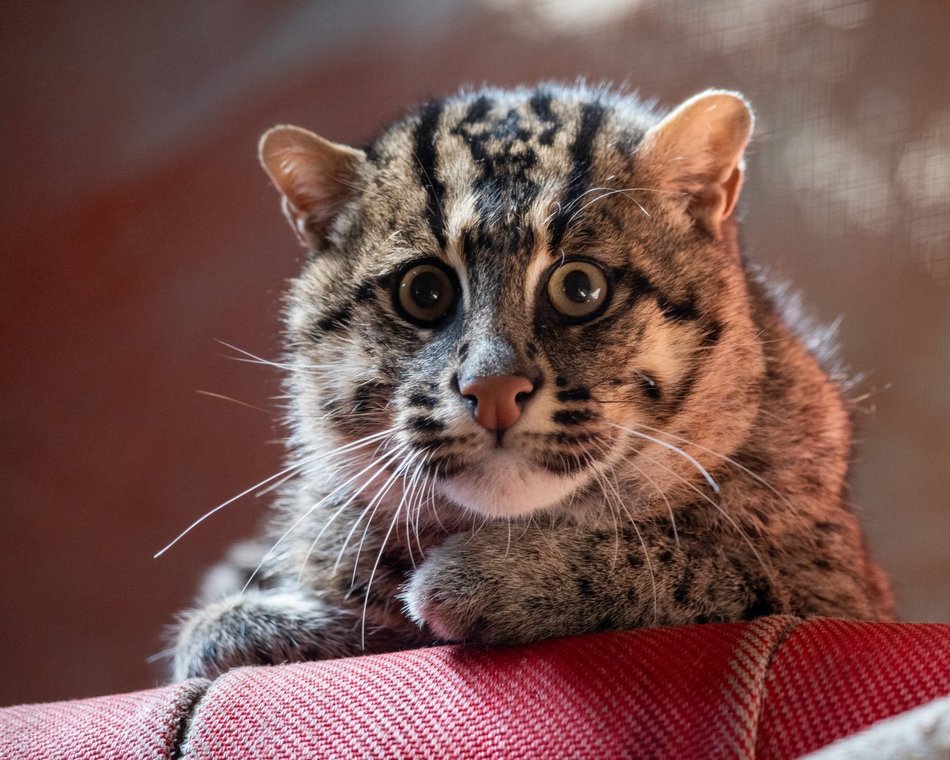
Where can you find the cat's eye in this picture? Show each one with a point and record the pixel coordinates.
(579, 290)
(425, 293)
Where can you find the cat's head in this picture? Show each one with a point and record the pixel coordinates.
(510, 292)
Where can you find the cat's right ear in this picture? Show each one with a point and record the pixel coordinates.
(315, 176)
(696, 155)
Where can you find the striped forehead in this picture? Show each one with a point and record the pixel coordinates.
(500, 170)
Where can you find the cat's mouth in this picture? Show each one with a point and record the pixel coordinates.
(506, 483)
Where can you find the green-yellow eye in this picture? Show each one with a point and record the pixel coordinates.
(425, 294)
(579, 290)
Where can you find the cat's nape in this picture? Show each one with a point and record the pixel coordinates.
(536, 391)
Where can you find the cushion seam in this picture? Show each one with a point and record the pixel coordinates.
(180, 739)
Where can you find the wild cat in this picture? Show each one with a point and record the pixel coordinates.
(535, 390)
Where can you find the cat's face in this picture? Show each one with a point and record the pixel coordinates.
(512, 289)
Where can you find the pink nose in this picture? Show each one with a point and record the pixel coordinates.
(496, 399)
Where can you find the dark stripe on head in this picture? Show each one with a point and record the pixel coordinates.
(338, 320)
(343, 316)
(541, 105)
(426, 159)
(582, 154)
(684, 311)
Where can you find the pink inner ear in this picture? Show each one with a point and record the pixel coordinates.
(731, 187)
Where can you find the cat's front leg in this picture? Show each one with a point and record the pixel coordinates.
(505, 585)
(261, 627)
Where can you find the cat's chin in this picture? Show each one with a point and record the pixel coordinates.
(506, 485)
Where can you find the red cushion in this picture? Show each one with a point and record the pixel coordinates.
(143, 724)
(831, 678)
(773, 688)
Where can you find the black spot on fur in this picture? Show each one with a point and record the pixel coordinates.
(420, 399)
(365, 291)
(560, 381)
(762, 603)
(338, 320)
(711, 334)
(573, 416)
(570, 439)
(574, 394)
(683, 588)
(584, 587)
(649, 386)
(425, 424)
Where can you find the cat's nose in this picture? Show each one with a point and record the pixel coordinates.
(498, 399)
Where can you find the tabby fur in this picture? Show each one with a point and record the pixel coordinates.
(680, 458)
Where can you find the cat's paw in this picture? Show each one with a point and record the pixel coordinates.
(468, 590)
(444, 595)
(256, 628)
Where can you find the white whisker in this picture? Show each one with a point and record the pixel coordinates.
(702, 470)
(221, 506)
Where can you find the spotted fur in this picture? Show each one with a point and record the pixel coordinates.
(681, 458)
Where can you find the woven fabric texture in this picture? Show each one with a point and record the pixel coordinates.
(143, 725)
(832, 678)
(686, 692)
(774, 688)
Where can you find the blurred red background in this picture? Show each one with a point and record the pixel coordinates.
(139, 234)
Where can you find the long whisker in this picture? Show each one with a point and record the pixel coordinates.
(380, 467)
(723, 457)
(378, 498)
(605, 195)
(614, 513)
(232, 400)
(414, 505)
(379, 554)
(646, 553)
(702, 470)
(309, 512)
(221, 506)
(372, 505)
(247, 356)
(669, 507)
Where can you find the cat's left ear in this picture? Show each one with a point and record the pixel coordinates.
(315, 176)
(696, 153)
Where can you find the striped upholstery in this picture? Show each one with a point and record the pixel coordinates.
(773, 688)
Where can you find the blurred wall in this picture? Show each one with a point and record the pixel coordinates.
(138, 234)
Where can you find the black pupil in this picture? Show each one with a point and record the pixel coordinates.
(577, 286)
(427, 289)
